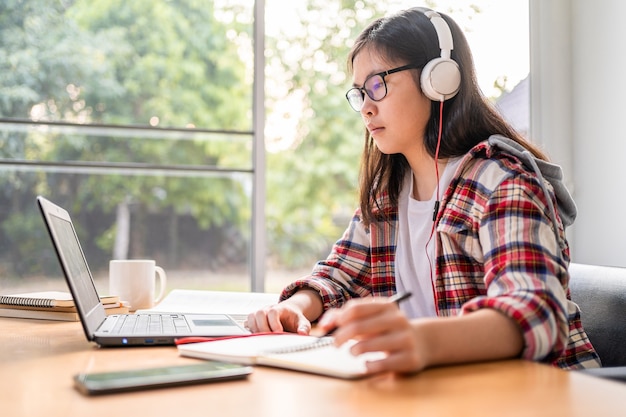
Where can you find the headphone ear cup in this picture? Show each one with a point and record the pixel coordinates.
(440, 79)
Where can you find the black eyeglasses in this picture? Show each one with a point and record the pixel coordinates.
(374, 86)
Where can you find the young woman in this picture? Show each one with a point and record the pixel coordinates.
(455, 208)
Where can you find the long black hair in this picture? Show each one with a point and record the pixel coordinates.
(409, 37)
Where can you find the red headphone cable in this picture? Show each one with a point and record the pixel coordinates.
(436, 210)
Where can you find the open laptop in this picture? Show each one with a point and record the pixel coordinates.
(121, 329)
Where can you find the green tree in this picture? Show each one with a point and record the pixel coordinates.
(140, 63)
(177, 70)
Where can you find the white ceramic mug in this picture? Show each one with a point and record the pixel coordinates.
(134, 281)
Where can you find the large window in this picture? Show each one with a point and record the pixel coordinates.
(137, 118)
(145, 120)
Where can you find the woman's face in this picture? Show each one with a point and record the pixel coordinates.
(397, 123)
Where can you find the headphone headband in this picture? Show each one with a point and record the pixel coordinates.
(443, 33)
(441, 78)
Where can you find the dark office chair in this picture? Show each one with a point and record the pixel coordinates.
(600, 291)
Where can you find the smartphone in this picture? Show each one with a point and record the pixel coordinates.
(168, 376)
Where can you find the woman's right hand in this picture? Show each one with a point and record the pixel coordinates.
(291, 315)
(281, 317)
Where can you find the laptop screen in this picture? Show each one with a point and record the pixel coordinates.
(74, 265)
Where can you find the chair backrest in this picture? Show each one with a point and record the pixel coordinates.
(600, 292)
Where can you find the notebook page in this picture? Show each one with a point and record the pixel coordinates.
(325, 360)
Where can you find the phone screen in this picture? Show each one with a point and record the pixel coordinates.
(135, 379)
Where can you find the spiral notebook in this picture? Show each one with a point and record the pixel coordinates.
(39, 299)
(47, 299)
(50, 305)
(287, 351)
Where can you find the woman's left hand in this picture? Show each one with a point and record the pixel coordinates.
(377, 325)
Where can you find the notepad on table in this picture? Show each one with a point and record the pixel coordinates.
(288, 351)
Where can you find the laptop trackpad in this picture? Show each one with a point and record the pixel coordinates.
(214, 324)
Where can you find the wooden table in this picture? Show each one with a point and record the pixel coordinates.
(39, 358)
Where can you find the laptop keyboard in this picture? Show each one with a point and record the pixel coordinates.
(150, 324)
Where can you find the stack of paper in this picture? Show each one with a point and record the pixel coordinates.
(51, 305)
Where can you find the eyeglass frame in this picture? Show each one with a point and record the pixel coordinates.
(382, 75)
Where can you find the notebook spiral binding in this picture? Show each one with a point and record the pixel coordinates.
(26, 302)
(320, 342)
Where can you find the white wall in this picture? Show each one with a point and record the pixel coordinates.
(578, 81)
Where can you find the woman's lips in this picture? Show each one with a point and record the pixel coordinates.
(373, 129)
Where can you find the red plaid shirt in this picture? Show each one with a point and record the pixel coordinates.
(496, 248)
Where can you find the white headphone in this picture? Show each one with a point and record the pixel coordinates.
(441, 77)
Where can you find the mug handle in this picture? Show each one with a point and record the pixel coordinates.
(162, 283)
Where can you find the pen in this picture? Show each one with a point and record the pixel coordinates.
(396, 298)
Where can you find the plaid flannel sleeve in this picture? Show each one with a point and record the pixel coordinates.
(524, 267)
(345, 273)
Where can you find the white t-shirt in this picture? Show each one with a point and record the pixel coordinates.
(415, 251)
